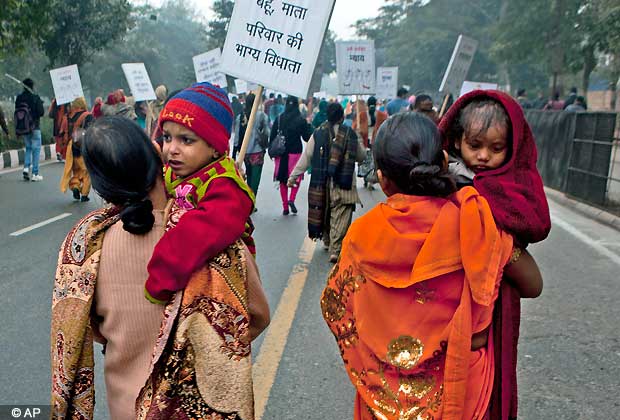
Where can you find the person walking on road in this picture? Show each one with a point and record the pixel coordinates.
(75, 176)
(27, 120)
(332, 152)
(259, 140)
(321, 116)
(492, 148)
(398, 104)
(99, 293)
(435, 255)
(294, 128)
(276, 109)
(58, 113)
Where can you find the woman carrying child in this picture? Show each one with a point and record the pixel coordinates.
(98, 293)
(492, 148)
(411, 299)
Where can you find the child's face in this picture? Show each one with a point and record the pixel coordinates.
(184, 151)
(486, 150)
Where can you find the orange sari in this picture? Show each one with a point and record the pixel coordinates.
(416, 278)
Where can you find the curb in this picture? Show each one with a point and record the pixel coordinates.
(15, 158)
(584, 209)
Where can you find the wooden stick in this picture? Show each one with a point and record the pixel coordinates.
(444, 105)
(357, 115)
(258, 94)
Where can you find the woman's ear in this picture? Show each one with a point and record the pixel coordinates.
(445, 160)
(386, 184)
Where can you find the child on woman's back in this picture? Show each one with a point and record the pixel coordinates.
(492, 148)
(196, 126)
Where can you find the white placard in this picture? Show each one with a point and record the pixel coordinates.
(469, 86)
(243, 86)
(139, 81)
(207, 67)
(67, 84)
(276, 43)
(355, 64)
(459, 64)
(320, 95)
(387, 82)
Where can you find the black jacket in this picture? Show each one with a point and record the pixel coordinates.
(34, 103)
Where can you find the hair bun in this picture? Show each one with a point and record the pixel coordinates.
(138, 217)
(423, 170)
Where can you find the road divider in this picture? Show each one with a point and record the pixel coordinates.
(40, 224)
(268, 360)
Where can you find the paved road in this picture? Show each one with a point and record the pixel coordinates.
(569, 356)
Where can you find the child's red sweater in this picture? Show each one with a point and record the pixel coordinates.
(214, 222)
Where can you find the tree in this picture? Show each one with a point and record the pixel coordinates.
(79, 29)
(165, 39)
(218, 26)
(22, 22)
(419, 36)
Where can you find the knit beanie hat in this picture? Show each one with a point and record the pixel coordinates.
(204, 109)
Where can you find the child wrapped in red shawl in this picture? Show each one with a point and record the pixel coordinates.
(215, 201)
(492, 148)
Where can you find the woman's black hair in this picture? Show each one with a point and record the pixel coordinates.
(123, 167)
(481, 113)
(292, 105)
(335, 113)
(408, 151)
(249, 103)
(372, 109)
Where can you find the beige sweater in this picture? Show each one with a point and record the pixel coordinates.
(128, 322)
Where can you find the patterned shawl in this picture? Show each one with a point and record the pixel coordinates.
(73, 379)
(201, 364)
(343, 151)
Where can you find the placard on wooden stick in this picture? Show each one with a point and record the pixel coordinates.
(276, 43)
(66, 84)
(387, 82)
(459, 64)
(139, 81)
(355, 63)
(207, 67)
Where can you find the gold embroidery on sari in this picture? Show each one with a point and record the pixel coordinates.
(412, 399)
(333, 301)
(404, 352)
(424, 295)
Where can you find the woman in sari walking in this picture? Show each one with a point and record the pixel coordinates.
(411, 298)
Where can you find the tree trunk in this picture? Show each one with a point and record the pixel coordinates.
(589, 64)
(615, 80)
(557, 50)
(504, 75)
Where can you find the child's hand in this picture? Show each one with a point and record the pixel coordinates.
(239, 166)
(291, 183)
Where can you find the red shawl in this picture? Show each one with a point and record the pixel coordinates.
(514, 190)
(519, 205)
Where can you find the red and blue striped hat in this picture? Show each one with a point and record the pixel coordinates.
(205, 109)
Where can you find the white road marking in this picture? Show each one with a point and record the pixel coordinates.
(266, 366)
(555, 220)
(40, 224)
